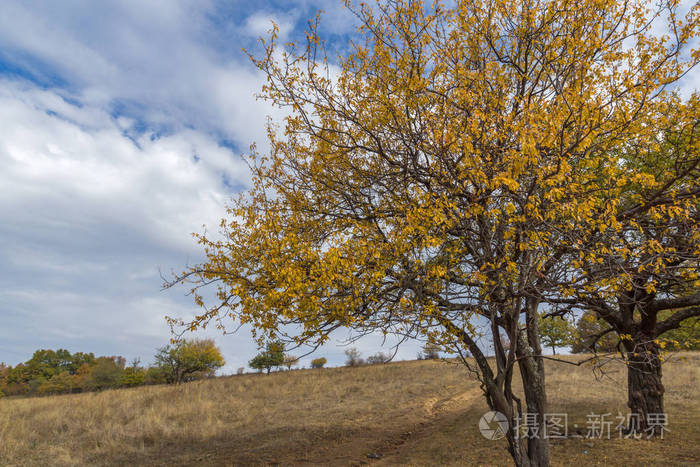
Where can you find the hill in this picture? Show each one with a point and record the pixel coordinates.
(421, 412)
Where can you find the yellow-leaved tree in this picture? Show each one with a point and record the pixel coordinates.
(639, 271)
(429, 187)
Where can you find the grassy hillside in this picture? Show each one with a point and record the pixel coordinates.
(422, 412)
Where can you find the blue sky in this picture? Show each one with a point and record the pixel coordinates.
(121, 128)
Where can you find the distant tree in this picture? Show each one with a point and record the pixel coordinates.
(685, 337)
(4, 371)
(378, 358)
(353, 357)
(106, 373)
(556, 331)
(16, 389)
(134, 374)
(44, 364)
(79, 359)
(593, 335)
(431, 351)
(240, 371)
(155, 375)
(133, 377)
(318, 362)
(290, 361)
(60, 383)
(260, 362)
(82, 376)
(188, 360)
(272, 357)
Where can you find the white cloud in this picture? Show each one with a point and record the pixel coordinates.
(90, 216)
(260, 24)
(93, 201)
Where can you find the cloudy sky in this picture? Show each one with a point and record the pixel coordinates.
(122, 123)
(121, 129)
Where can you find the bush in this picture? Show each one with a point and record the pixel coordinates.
(378, 358)
(155, 375)
(318, 362)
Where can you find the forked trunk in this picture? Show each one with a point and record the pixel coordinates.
(528, 451)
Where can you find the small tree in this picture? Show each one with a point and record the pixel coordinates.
(556, 332)
(273, 356)
(290, 361)
(240, 371)
(189, 359)
(353, 357)
(431, 351)
(134, 375)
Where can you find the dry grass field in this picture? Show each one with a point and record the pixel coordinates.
(423, 412)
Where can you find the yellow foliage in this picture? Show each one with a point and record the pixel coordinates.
(457, 151)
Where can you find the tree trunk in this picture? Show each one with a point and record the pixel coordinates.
(645, 391)
(531, 364)
(536, 400)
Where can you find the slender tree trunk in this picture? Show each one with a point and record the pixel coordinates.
(645, 390)
(532, 374)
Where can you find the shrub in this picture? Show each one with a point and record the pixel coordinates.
(378, 358)
(318, 362)
(106, 373)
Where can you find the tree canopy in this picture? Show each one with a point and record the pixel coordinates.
(443, 181)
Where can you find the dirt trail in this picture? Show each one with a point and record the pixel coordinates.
(441, 413)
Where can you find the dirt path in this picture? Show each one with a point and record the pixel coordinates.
(442, 414)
